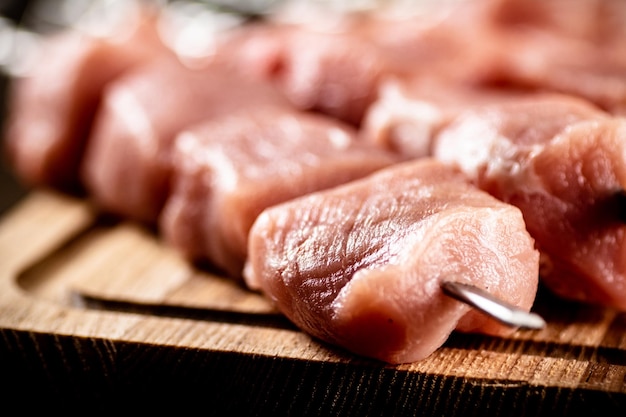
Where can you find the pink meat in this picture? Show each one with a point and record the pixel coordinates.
(51, 111)
(127, 163)
(360, 265)
(410, 111)
(226, 171)
(562, 162)
(335, 65)
(544, 62)
(578, 48)
(513, 46)
(335, 74)
(587, 259)
(596, 21)
(447, 42)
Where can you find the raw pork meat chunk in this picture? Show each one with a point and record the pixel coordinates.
(563, 163)
(410, 111)
(127, 163)
(334, 65)
(335, 74)
(51, 110)
(360, 265)
(226, 171)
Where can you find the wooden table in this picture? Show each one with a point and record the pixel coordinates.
(97, 310)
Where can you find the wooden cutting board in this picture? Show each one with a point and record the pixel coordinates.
(95, 309)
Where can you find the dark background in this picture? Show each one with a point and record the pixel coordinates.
(10, 189)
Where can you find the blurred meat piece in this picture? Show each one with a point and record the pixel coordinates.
(578, 48)
(411, 111)
(335, 74)
(517, 47)
(600, 22)
(334, 65)
(360, 265)
(51, 111)
(543, 62)
(226, 171)
(563, 163)
(126, 167)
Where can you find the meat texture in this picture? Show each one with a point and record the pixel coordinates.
(562, 162)
(512, 47)
(410, 111)
(51, 110)
(126, 167)
(360, 265)
(226, 171)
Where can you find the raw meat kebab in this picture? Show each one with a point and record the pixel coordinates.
(351, 165)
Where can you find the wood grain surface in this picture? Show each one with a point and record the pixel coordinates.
(95, 309)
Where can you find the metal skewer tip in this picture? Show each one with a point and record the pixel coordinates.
(498, 309)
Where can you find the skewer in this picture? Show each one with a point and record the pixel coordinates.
(620, 202)
(486, 303)
(16, 53)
